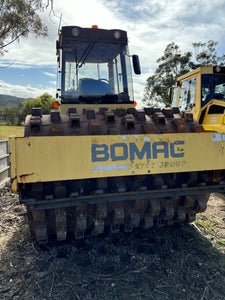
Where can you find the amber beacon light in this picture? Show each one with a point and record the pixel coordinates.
(55, 104)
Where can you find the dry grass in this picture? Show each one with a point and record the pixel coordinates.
(7, 131)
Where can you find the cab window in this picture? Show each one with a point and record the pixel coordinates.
(213, 87)
(174, 100)
(187, 94)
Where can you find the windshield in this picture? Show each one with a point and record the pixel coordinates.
(213, 87)
(96, 72)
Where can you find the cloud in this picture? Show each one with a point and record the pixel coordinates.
(49, 74)
(6, 63)
(24, 91)
(151, 26)
(9, 64)
(136, 12)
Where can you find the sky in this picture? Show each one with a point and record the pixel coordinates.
(29, 68)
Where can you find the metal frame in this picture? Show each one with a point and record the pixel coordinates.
(118, 197)
(4, 162)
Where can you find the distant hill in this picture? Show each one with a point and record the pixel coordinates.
(6, 100)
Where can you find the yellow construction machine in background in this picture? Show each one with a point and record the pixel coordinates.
(202, 92)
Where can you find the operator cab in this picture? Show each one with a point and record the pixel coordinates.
(212, 88)
(95, 66)
(202, 91)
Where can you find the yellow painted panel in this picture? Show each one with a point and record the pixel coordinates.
(213, 119)
(72, 157)
(215, 128)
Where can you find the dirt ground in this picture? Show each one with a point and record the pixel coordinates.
(183, 262)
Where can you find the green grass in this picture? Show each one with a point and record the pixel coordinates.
(7, 131)
(206, 223)
(221, 242)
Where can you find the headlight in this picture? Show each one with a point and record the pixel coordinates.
(218, 69)
(117, 34)
(75, 31)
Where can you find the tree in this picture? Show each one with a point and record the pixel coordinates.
(18, 18)
(11, 114)
(19, 113)
(27, 106)
(174, 64)
(205, 54)
(45, 102)
(15, 115)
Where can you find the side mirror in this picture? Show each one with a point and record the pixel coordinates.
(136, 64)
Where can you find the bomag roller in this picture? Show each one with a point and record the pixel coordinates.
(97, 163)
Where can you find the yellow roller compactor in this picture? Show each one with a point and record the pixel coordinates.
(98, 164)
(202, 92)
